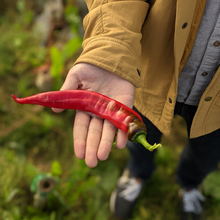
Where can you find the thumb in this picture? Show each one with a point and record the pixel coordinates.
(70, 83)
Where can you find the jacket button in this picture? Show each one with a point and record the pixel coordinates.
(216, 43)
(170, 100)
(208, 98)
(204, 74)
(184, 25)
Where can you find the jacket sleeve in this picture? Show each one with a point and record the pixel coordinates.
(112, 37)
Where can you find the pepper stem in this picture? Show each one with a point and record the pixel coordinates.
(141, 138)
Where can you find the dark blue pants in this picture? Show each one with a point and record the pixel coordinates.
(200, 156)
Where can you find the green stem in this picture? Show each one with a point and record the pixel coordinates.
(141, 138)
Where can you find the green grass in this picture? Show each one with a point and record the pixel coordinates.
(34, 140)
(32, 149)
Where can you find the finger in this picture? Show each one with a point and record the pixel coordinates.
(80, 130)
(107, 139)
(93, 140)
(121, 139)
(57, 110)
(71, 81)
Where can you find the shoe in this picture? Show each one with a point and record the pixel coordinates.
(191, 204)
(124, 197)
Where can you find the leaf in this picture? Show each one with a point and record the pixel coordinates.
(56, 169)
(211, 185)
(13, 193)
(71, 14)
(53, 215)
(21, 6)
(30, 171)
(144, 212)
(57, 64)
(71, 47)
(48, 120)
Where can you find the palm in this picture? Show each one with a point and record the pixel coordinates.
(93, 136)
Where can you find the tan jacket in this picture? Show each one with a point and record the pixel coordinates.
(148, 45)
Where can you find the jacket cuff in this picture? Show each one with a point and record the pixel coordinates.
(113, 56)
(112, 38)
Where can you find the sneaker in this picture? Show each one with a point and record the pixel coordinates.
(191, 205)
(124, 197)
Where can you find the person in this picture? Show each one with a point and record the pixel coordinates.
(162, 57)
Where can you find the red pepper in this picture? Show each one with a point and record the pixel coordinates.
(118, 114)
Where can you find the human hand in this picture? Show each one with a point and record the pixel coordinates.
(93, 136)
